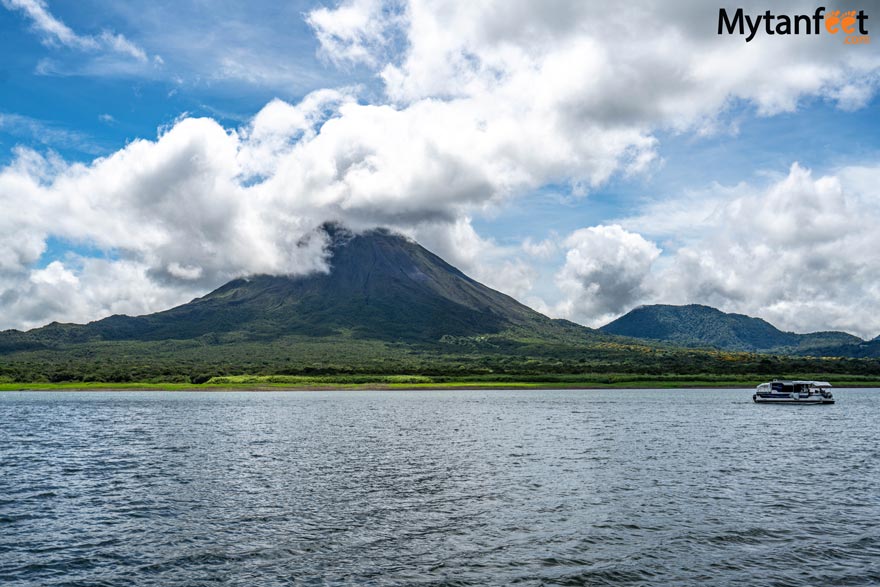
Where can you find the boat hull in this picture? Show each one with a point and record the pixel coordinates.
(788, 399)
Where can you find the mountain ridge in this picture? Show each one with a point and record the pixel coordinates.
(700, 326)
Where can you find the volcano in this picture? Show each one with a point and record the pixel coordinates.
(380, 286)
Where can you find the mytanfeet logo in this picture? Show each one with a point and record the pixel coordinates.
(852, 23)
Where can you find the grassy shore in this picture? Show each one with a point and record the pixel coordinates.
(355, 382)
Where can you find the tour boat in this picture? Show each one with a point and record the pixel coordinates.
(793, 392)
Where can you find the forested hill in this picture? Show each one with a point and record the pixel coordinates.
(703, 326)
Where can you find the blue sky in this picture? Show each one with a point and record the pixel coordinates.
(71, 98)
(119, 72)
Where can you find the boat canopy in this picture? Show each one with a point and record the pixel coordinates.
(779, 384)
(814, 383)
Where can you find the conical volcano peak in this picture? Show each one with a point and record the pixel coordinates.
(379, 285)
(342, 239)
(337, 233)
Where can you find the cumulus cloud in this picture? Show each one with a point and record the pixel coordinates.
(178, 202)
(646, 64)
(356, 31)
(799, 252)
(482, 102)
(81, 289)
(604, 273)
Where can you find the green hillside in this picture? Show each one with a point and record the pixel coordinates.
(706, 327)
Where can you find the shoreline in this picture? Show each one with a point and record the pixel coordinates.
(457, 386)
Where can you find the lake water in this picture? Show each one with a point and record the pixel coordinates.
(584, 487)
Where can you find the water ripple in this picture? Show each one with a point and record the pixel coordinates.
(447, 488)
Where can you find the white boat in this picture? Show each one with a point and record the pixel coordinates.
(781, 391)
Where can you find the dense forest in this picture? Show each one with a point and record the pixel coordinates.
(197, 361)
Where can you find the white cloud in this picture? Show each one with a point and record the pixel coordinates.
(233, 49)
(51, 27)
(47, 133)
(120, 44)
(648, 64)
(483, 101)
(81, 289)
(354, 32)
(175, 208)
(186, 272)
(544, 249)
(800, 252)
(604, 273)
(55, 32)
(54, 274)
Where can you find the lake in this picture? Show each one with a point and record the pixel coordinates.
(562, 487)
